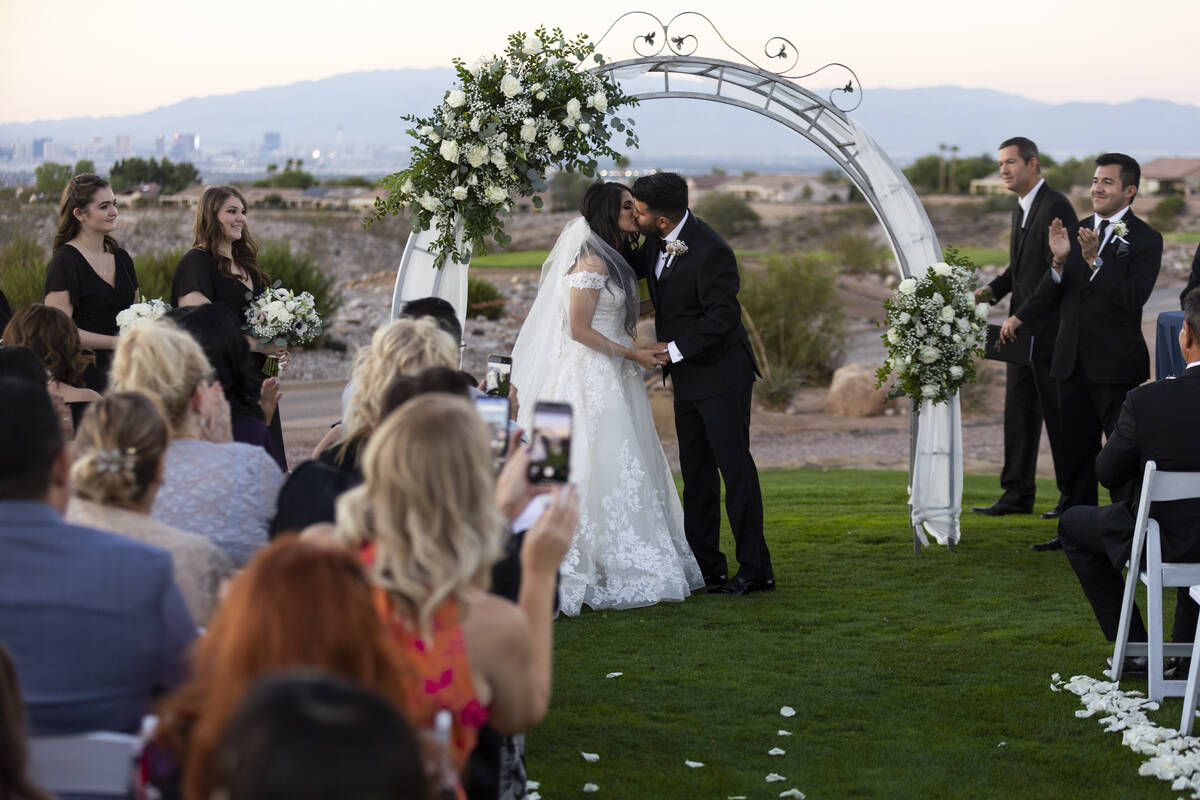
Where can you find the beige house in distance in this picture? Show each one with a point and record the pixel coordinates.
(1172, 176)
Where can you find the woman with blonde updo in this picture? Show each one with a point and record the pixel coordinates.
(118, 470)
(213, 486)
(89, 277)
(430, 519)
(403, 347)
(52, 337)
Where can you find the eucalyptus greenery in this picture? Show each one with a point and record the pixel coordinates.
(497, 132)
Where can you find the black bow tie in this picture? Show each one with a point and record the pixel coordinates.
(662, 245)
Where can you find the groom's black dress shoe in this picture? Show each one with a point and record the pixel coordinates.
(1134, 666)
(1053, 544)
(1055, 512)
(739, 586)
(998, 509)
(715, 580)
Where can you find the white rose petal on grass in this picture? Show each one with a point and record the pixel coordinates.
(693, 764)
(614, 674)
(591, 787)
(591, 758)
(533, 784)
(1002, 744)
(787, 711)
(782, 732)
(775, 777)
(776, 751)
(796, 793)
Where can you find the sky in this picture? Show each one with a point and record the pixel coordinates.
(71, 58)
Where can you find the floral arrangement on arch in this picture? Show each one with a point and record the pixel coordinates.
(496, 133)
(935, 331)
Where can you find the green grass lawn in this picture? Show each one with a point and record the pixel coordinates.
(985, 257)
(907, 672)
(1183, 237)
(533, 259)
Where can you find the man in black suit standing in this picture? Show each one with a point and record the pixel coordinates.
(1030, 394)
(693, 280)
(1159, 422)
(1101, 276)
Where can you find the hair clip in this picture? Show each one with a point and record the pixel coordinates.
(113, 460)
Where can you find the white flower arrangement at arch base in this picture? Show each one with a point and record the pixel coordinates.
(496, 133)
(935, 332)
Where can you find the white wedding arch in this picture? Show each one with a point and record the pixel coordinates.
(935, 464)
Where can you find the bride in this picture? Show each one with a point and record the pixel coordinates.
(576, 346)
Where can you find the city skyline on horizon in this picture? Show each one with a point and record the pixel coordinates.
(273, 43)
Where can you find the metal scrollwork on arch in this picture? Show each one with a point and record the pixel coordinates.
(680, 36)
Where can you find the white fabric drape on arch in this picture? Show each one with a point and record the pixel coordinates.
(416, 276)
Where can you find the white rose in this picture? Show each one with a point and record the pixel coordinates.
(929, 354)
(981, 310)
(956, 339)
(573, 108)
(429, 202)
(449, 150)
(532, 47)
(585, 128)
(929, 390)
(946, 330)
(475, 124)
(599, 101)
(510, 86)
(460, 193)
(907, 286)
(407, 188)
(528, 130)
(456, 98)
(947, 313)
(904, 317)
(496, 195)
(893, 336)
(956, 372)
(477, 156)
(962, 324)
(919, 329)
(433, 137)
(426, 130)
(555, 144)
(498, 159)
(941, 268)
(535, 87)
(937, 298)
(472, 179)
(540, 95)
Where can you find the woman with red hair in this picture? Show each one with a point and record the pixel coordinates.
(297, 605)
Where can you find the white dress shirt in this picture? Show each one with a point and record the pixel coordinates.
(676, 356)
(1026, 202)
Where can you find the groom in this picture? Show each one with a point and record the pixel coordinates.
(702, 345)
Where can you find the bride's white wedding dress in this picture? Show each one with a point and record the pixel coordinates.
(629, 549)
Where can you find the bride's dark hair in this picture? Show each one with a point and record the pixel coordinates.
(601, 207)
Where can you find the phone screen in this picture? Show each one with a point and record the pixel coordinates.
(495, 413)
(550, 459)
(499, 372)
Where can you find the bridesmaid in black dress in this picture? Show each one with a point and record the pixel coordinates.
(222, 269)
(89, 277)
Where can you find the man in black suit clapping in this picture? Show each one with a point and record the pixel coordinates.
(1159, 422)
(1102, 274)
(1030, 394)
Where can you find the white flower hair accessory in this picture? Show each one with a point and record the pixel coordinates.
(677, 248)
(114, 460)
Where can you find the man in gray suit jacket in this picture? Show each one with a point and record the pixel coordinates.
(94, 621)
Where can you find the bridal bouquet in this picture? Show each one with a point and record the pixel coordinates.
(935, 331)
(497, 132)
(281, 317)
(140, 312)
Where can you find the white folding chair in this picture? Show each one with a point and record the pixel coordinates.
(90, 763)
(1189, 696)
(1157, 575)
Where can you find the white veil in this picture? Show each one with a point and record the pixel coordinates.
(540, 343)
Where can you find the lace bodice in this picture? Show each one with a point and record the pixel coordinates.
(225, 492)
(609, 318)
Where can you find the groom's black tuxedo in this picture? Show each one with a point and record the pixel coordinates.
(696, 307)
(1100, 353)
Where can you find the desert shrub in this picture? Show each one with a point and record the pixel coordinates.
(155, 270)
(484, 299)
(728, 214)
(859, 254)
(796, 323)
(1166, 214)
(22, 269)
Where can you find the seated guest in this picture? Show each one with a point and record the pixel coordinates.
(402, 347)
(307, 736)
(221, 489)
(117, 473)
(309, 497)
(296, 605)
(1193, 278)
(94, 621)
(14, 749)
(53, 338)
(227, 351)
(1158, 422)
(431, 529)
(21, 363)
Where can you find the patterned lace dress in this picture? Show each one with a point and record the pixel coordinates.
(629, 549)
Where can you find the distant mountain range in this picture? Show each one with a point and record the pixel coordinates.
(367, 107)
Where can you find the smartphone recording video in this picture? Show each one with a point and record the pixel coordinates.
(550, 458)
(499, 374)
(495, 412)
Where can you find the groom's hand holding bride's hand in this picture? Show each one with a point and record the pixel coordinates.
(661, 352)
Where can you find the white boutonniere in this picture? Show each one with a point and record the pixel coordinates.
(677, 248)
(1120, 229)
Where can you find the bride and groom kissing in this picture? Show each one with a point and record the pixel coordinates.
(635, 545)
